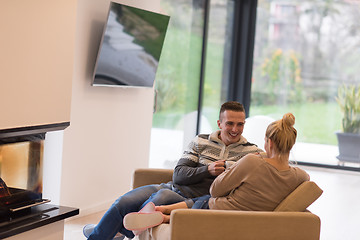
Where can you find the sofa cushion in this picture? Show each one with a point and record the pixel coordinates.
(302, 197)
(161, 232)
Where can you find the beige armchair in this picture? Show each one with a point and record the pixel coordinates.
(289, 221)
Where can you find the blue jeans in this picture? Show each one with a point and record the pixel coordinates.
(112, 221)
(201, 202)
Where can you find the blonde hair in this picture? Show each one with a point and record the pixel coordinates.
(282, 133)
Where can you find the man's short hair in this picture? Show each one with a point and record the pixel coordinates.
(232, 106)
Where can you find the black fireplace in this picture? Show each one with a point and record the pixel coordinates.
(21, 170)
(22, 207)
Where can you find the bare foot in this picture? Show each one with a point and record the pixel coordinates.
(164, 209)
(166, 218)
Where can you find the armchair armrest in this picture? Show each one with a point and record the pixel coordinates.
(194, 224)
(146, 176)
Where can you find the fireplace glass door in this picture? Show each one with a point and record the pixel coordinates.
(20, 176)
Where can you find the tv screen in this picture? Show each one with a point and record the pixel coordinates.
(130, 47)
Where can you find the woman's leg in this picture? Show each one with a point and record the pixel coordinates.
(166, 209)
(112, 221)
(164, 197)
(149, 217)
(201, 202)
(195, 203)
(140, 221)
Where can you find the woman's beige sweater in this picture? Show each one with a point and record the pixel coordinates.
(252, 184)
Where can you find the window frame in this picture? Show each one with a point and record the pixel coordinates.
(241, 63)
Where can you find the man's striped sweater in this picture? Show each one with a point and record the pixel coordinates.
(191, 175)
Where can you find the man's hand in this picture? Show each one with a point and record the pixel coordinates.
(217, 167)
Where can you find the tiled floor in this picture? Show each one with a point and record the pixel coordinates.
(73, 227)
(338, 207)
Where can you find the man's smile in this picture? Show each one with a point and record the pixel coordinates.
(233, 134)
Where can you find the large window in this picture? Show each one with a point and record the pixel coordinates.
(218, 56)
(305, 51)
(177, 82)
(191, 76)
(273, 56)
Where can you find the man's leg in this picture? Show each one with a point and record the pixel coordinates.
(164, 196)
(112, 221)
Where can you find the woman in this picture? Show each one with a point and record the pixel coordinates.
(254, 183)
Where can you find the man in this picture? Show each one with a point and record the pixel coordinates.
(205, 158)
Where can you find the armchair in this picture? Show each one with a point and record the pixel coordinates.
(290, 220)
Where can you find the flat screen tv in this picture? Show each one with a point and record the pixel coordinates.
(130, 47)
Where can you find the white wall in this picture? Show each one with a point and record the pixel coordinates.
(36, 64)
(109, 133)
(37, 67)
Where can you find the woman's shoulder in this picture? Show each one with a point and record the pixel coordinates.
(301, 173)
(254, 156)
(252, 159)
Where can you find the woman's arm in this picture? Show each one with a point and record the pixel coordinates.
(234, 176)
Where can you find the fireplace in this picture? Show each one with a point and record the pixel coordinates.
(24, 214)
(21, 170)
(21, 165)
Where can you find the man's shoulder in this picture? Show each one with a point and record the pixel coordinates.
(243, 141)
(203, 136)
(211, 138)
(244, 144)
(248, 144)
(204, 141)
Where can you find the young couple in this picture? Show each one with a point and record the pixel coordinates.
(217, 171)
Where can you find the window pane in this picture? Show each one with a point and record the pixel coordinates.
(217, 56)
(177, 82)
(304, 51)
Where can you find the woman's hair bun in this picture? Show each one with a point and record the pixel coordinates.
(288, 119)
